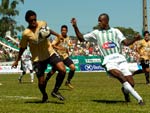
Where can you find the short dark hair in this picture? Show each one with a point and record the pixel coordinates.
(145, 32)
(104, 14)
(64, 26)
(28, 14)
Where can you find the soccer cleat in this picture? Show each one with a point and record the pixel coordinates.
(57, 95)
(148, 83)
(45, 98)
(69, 85)
(141, 103)
(126, 95)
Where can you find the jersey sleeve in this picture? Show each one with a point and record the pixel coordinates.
(120, 36)
(24, 41)
(89, 36)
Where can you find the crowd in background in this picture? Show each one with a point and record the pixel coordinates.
(77, 48)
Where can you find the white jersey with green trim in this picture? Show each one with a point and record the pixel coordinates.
(26, 56)
(109, 41)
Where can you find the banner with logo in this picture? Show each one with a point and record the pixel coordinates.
(82, 63)
(85, 63)
(91, 67)
(9, 69)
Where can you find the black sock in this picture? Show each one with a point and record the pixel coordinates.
(42, 88)
(147, 77)
(48, 76)
(70, 76)
(59, 80)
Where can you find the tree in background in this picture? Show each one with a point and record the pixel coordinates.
(128, 32)
(8, 10)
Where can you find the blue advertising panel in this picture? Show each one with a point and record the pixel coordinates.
(91, 67)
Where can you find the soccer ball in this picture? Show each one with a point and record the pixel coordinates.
(44, 32)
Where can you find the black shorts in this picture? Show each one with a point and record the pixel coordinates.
(144, 63)
(41, 66)
(68, 61)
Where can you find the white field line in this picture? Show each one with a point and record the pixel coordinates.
(18, 97)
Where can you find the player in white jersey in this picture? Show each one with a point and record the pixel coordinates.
(26, 65)
(109, 41)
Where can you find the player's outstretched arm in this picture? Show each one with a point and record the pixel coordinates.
(55, 34)
(128, 42)
(78, 33)
(15, 64)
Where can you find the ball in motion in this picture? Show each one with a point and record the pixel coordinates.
(44, 32)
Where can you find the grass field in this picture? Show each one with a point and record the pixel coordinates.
(93, 93)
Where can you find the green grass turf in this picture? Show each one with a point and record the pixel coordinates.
(93, 93)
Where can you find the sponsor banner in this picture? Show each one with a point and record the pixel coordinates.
(82, 63)
(67, 69)
(94, 60)
(8, 69)
(7, 63)
(91, 67)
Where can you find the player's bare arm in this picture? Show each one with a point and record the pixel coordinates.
(128, 42)
(78, 33)
(15, 64)
(55, 34)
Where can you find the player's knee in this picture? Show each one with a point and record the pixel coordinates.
(62, 71)
(72, 68)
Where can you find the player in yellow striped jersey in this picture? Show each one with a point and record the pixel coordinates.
(42, 54)
(62, 48)
(143, 48)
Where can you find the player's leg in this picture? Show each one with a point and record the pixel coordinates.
(49, 74)
(127, 87)
(32, 76)
(69, 63)
(114, 69)
(145, 67)
(39, 68)
(128, 75)
(147, 77)
(30, 68)
(56, 62)
(23, 68)
(131, 82)
(21, 76)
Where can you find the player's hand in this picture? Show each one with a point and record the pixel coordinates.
(73, 21)
(15, 64)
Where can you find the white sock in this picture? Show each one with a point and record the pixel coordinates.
(20, 77)
(32, 76)
(131, 90)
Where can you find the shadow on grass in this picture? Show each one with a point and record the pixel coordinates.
(109, 101)
(141, 83)
(40, 102)
(27, 82)
(68, 89)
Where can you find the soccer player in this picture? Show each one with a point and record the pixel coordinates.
(62, 48)
(143, 48)
(109, 41)
(42, 54)
(26, 64)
